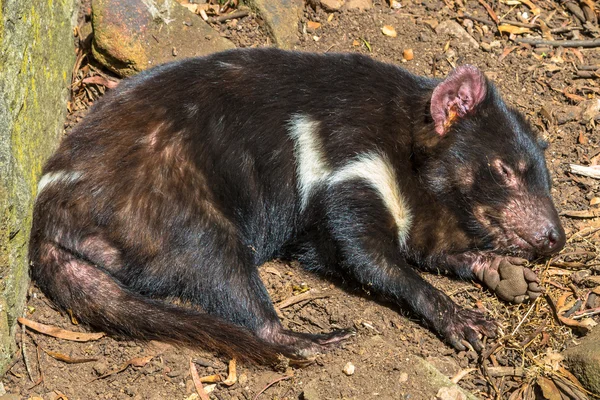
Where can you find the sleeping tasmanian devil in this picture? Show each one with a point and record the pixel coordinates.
(187, 177)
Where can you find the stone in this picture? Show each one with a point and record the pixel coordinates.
(332, 5)
(133, 35)
(281, 18)
(583, 361)
(359, 4)
(36, 60)
(453, 28)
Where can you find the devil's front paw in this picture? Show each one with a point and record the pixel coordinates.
(511, 280)
(468, 327)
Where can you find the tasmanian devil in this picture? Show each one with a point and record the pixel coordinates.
(184, 179)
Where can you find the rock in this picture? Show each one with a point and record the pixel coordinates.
(36, 60)
(348, 369)
(454, 29)
(359, 4)
(310, 391)
(584, 361)
(10, 396)
(331, 5)
(132, 35)
(450, 393)
(281, 18)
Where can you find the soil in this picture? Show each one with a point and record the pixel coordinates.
(389, 341)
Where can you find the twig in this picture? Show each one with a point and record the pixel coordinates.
(310, 295)
(24, 350)
(530, 338)
(225, 17)
(590, 172)
(490, 11)
(524, 317)
(586, 313)
(271, 384)
(505, 371)
(564, 43)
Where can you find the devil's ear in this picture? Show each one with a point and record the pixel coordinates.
(457, 96)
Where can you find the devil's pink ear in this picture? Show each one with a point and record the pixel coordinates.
(456, 96)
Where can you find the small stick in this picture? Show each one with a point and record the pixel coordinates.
(530, 338)
(225, 17)
(588, 74)
(24, 350)
(271, 384)
(564, 43)
(310, 295)
(524, 317)
(505, 371)
(588, 67)
(586, 313)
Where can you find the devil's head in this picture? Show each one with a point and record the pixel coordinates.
(485, 161)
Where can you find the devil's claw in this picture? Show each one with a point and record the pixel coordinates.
(468, 326)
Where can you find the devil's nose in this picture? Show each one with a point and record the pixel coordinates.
(553, 239)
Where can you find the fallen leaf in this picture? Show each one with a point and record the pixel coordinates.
(367, 44)
(313, 26)
(192, 7)
(60, 333)
(490, 11)
(433, 23)
(232, 374)
(546, 33)
(67, 359)
(100, 80)
(389, 30)
(355, 43)
(534, 9)
(197, 383)
(514, 30)
(211, 379)
(549, 389)
(140, 361)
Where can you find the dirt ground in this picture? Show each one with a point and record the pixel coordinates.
(541, 83)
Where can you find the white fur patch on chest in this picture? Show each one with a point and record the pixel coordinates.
(57, 177)
(311, 165)
(313, 171)
(376, 170)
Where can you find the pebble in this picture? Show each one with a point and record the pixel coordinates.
(348, 369)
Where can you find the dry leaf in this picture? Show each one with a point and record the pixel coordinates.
(535, 10)
(549, 389)
(546, 33)
(514, 30)
(140, 361)
(433, 23)
(67, 359)
(355, 43)
(313, 26)
(216, 378)
(100, 80)
(389, 30)
(232, 374)
(197, 383)
(60, 333)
